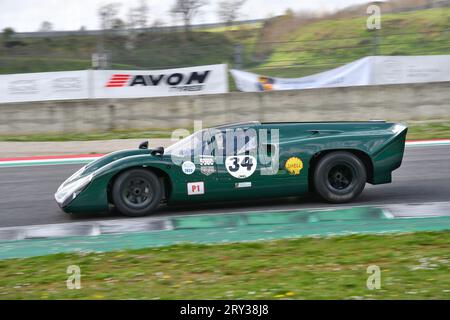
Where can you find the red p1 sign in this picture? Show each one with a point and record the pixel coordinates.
(194, 188)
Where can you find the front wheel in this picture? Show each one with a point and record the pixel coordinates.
(339, 177)
(137, 192)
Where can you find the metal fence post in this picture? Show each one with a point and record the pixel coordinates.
(238, 56)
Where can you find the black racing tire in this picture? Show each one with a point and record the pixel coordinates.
(339, 177)
(137, 192)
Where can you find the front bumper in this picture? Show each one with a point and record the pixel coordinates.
(70, 189)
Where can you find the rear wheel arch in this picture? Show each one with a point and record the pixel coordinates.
(364, 157)
(339, 177)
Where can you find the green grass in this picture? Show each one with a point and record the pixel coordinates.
(335, 42)
(429, 130)
(418, 130)
(233, 28)
(413, 266)
(292, 71)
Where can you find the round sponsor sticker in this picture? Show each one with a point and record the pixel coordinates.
(294, 165)
(241, 167)
(188, 167)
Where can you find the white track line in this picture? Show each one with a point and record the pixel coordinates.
(81, 160)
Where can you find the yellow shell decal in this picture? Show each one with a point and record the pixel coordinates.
(294, 165)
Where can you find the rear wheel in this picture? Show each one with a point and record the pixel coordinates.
(137, 192)
(339, 177)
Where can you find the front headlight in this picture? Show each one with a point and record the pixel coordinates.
(73, 177)
(70, 189)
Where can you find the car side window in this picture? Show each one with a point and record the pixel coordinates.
(219, 144)
(238, 142)
(250, 146)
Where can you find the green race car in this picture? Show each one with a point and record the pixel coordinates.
(239, 162)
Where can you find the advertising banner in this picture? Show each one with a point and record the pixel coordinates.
(410, 69)
(42, 86)
(91, 84)
(377, 70)
(209, 79)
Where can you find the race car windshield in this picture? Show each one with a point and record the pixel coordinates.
(188, 145)
(215, 142)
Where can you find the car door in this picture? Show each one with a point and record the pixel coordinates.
(196, 178)
(248, 169)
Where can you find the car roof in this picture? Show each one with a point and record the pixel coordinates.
(237, 125)
(253, 123)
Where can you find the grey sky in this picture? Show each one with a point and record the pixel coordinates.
(27, 15)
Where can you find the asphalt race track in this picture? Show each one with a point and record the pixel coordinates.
(26, 193)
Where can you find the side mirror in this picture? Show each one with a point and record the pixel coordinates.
(159, 150)
(143, 145)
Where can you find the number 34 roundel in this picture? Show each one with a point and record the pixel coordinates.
(240, 167)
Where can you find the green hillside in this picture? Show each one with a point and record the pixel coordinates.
(146, 51)
(299, 49)
(329, 43)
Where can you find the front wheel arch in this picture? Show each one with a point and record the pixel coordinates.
(166, 182)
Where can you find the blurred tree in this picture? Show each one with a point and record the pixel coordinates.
(131, 26)
(142, 14)
(138, 16)
(187, 9)
(109, 20)
(228, 10)
(8, 40)
(132, 18)
(7, 34)
(46, 26)
(157, 23)
(117, 24)
(289, 12)
(108, 15)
